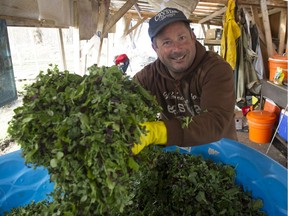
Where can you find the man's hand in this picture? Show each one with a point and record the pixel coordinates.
(156, 133)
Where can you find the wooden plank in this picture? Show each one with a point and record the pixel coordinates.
(136, 25)
(127, 23)
(76, 45)
(120, 13)
(137, 8)
(282, 31)
(215, 14)
(95, 14)
(62, 50)
(103, 18)
(269, 3)
(267, 29)
(85, 20)
(100, 50)
(258, 23)
(20, 21)
(272, 11)
(203, 29)
(262, 41)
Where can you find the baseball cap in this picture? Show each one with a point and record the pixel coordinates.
(163, 18)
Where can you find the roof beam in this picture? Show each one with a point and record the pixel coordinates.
(117, 16)
(272, 3)
(136, 25)
(215, 14)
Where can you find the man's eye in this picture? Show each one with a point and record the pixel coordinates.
(166, 43)
(182, 38)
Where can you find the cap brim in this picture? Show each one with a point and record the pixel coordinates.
(160, 27)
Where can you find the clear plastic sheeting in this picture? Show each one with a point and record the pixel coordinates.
(187, 7)
(8, 91)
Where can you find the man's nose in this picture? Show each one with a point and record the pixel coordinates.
(176, 45)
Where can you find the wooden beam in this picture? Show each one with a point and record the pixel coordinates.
(262, 42)
(62, 49)
(138, 10)
(282, 31)
(267, 28)
(272, 11)
(269, 3)
(95, 14)
(258, 23)
(217, 13)
(136, 25)
(127, 23)
(103, 18)
(20, 21)
(120, 13)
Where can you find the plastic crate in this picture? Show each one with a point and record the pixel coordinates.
(283, 126)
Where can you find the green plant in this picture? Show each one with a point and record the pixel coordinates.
(81, 129)
(183, 184)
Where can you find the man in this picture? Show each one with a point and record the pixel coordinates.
(122, 61)
(195, 87)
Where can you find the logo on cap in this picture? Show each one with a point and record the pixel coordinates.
(164, 14)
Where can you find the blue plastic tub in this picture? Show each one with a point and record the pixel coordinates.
(20, 184)
(258, 173)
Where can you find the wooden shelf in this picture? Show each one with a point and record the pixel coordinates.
(278, 94)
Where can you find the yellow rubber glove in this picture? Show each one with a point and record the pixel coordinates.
(156, 133)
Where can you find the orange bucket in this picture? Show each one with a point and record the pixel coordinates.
(278, 61)
(261, 125)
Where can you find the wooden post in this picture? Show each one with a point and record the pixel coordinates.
(262, 40)
(139, 22)
(62, 50)
(112, 21)
(267, 29)
(258, 23)
(282, 31)
(104, 10)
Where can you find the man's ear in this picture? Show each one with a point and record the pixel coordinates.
(154, 46)
(193, 35)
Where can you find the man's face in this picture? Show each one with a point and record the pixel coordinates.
(175, 47)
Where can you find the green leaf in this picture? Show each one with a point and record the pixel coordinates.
(133, 164)
(53, 163)
(83, 198)
(201, 197)
(50, 112)
(60, 155)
